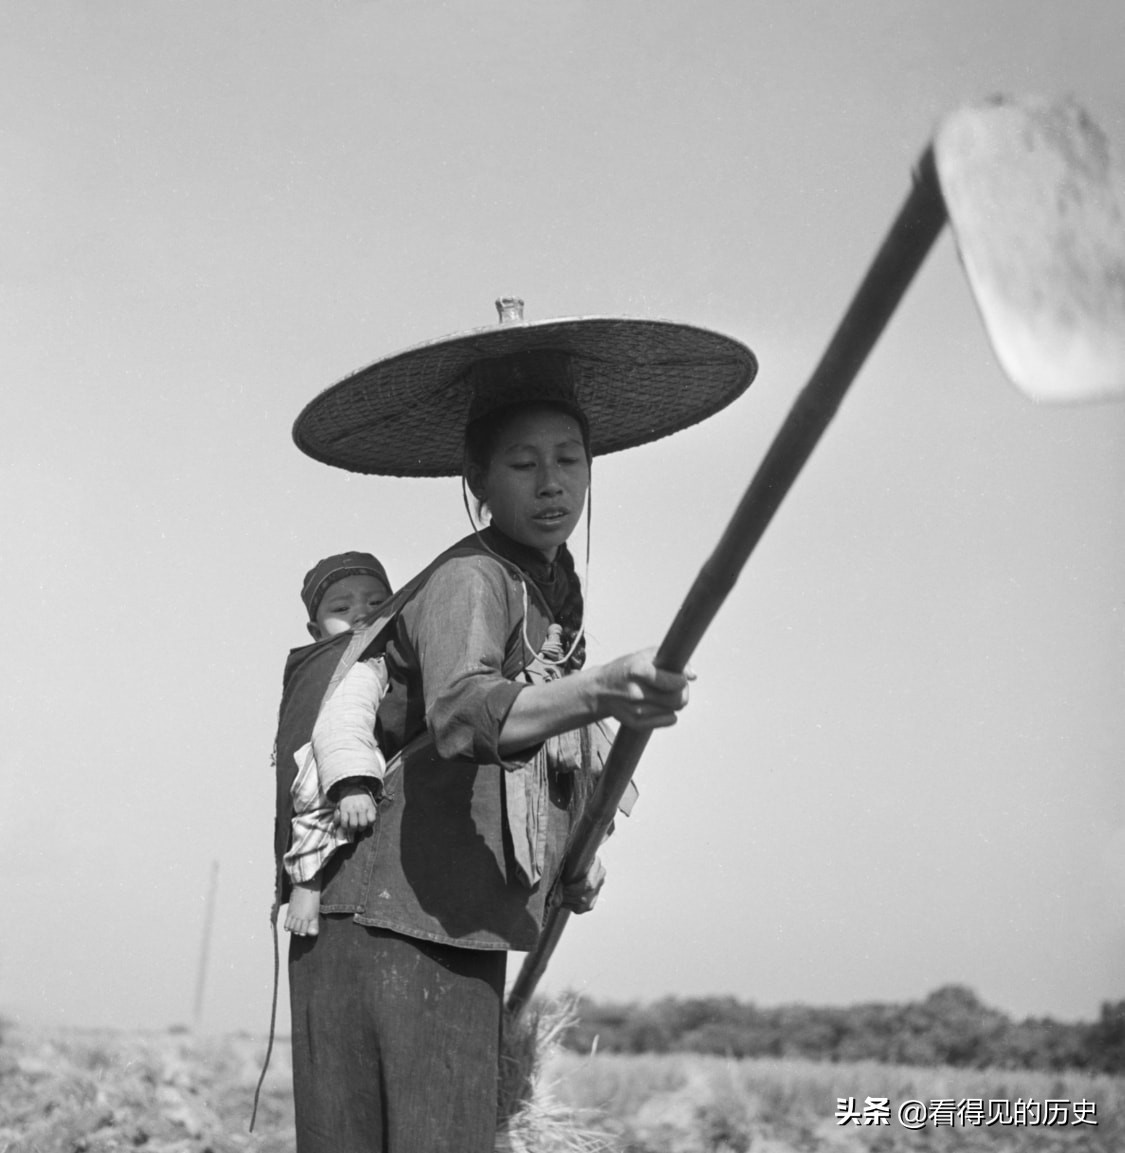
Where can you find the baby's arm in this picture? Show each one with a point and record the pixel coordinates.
(348, 758)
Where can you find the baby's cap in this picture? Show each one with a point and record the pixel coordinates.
(333, 568)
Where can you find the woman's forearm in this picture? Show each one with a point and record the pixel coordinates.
(543, 710)
(630, 689)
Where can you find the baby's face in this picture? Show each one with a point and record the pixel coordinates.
(346, 602)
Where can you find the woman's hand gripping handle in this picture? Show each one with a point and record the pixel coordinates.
(639, 695)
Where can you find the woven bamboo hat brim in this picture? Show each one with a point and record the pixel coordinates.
(635, 381)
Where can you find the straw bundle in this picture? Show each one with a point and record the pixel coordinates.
(530, 1119)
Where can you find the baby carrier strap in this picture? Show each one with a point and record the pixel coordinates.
(312, 674)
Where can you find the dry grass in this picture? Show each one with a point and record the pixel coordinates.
(86, 1091)
(684, 1103)
(100, 1091)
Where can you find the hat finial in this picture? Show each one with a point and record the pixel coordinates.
(510, 309)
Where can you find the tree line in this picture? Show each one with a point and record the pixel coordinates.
(949, 1027)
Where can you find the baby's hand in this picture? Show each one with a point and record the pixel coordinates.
(356, 809)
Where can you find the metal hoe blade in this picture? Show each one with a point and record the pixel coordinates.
(1035, 201)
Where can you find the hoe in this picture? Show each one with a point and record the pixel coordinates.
(1034, 203)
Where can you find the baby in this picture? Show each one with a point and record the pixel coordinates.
(341, 769)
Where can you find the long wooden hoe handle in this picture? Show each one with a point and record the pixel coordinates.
(909, 240)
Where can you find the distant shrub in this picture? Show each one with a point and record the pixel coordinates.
(949, 1027)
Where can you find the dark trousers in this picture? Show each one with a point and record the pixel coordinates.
(396, 1042)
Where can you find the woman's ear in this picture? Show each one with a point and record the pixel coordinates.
(474, 478)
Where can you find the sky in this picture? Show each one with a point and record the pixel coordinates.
(901, 766)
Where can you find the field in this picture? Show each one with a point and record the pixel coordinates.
(81, 1091)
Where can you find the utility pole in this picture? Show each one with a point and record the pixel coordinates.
(205, 947)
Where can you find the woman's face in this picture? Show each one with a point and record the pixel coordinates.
(536, 479)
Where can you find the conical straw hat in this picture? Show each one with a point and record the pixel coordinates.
(635, 381)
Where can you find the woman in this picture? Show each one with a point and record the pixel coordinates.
(396, 1004)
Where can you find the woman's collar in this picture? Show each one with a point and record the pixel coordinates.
(531, 560)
